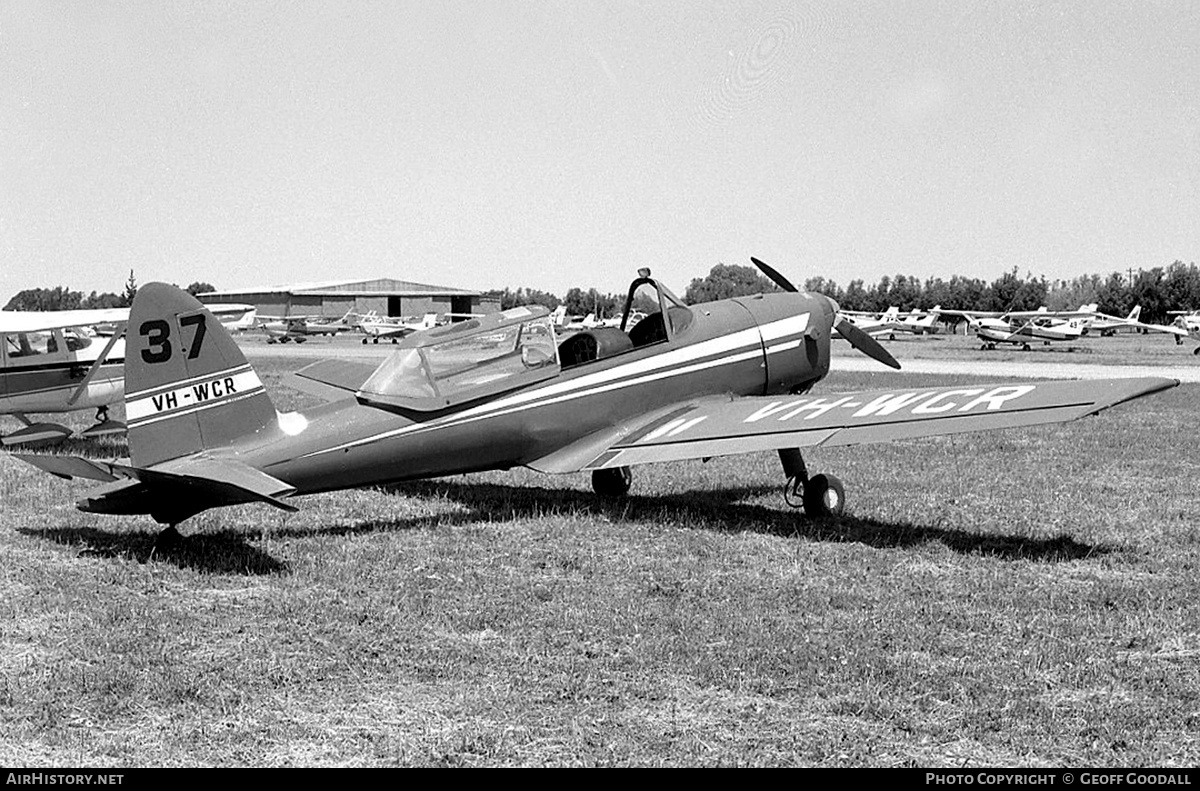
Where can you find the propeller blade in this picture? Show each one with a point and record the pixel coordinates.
(775, 277)
(865, 343)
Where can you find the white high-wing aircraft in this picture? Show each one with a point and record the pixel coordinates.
(375, 327)
(892, 321)
(235, 317)
(1020, 326)
(53, 362)
(1107, 325)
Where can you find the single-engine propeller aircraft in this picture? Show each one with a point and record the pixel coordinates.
(281, 329)
(376, 327)
(891, 321)
(1019, 327)
(503, 390)
(50, 362)
(63, 361)
(1106, 325)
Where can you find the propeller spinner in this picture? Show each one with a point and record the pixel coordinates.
(857, 338)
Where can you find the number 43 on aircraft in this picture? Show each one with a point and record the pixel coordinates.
(504, 390)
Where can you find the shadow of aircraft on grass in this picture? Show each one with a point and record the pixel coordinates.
(721, 510)
(225, 552)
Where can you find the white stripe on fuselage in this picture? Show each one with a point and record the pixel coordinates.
(638, 372)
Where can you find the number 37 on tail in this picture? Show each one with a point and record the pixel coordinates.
(503, 390)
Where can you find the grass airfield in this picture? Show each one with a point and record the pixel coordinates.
(1014, 598)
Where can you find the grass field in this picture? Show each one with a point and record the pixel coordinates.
(1020, 598)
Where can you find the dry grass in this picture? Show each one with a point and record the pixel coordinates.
(1016, 598)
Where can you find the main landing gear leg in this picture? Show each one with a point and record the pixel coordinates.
(821, 495)
(612, 482)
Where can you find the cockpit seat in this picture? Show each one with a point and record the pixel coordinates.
(588, 345)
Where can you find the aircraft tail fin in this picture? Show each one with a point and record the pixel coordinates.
(188, 387)
(1135, 313)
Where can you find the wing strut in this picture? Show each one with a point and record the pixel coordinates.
(108, 347)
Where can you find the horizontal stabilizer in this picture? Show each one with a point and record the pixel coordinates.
(171, 491)
(70, 466)
(222, 477)
(332, 379)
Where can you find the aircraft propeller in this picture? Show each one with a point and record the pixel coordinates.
(844, 327)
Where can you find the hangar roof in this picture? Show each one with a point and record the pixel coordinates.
(384, 286)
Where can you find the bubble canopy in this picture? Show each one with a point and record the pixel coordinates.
(447, 366)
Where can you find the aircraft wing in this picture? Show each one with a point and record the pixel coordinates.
(36, 320)
(1124, 322)
(739, 425)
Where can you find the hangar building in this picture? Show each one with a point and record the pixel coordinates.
(333, 299)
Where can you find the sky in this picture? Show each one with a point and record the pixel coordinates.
(548, 145)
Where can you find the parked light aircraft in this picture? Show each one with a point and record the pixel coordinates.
(1020, 326)
(281, 329)
(1106, 325)
(891, 321)
(46, 364)
(503, 390)
(49, 364)
(375, 327)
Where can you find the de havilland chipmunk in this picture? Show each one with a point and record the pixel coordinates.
(504, 390)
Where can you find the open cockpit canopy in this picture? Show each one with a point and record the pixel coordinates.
(461, 362)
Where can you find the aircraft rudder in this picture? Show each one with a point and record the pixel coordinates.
(188, 386)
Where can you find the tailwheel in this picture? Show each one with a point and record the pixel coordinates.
(612, 482)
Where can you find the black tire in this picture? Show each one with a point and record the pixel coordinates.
(612, 482)
(824, 496)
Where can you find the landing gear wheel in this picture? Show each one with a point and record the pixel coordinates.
(824, 496)
(612, 482)
(1025, 347)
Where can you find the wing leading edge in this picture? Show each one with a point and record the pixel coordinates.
(718, 428)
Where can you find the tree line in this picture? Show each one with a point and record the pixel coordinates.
(1158, 290)
(63, 298)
